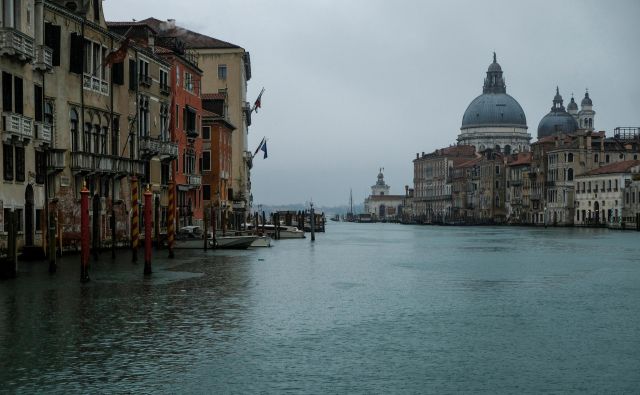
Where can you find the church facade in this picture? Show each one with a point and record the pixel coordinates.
(380, 204)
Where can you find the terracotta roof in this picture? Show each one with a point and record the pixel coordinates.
(471, 162)
(213, 96)
(190, 38)
(617, 167)
(522, 158)
(207, 113)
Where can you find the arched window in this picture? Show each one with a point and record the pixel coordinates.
(73, 125)
(497, 148)
(507, 149)
(48, 113)
(570, 174)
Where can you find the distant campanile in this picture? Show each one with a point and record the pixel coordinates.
(495, 120)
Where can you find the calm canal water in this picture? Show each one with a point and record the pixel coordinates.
(371, 308)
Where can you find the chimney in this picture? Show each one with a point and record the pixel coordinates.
(171, 23)
(417, 155)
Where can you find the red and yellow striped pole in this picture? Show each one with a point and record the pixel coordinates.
(135, 219)
(84, 233)
(171, 233)
(147, 231)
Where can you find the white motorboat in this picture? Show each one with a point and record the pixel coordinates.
(286, 232)
(233, 242)
(261, 241)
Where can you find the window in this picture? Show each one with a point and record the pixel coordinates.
(96, 139)
(39, 215)
(497, 169)
(96, 10)
(177, 117)
(164, 122)
(133, 80)
(206, 132)
(189, 162)
(117, 73)
(115, 139)
(75, 138)
(165, 168)
(206, 160)
(164, 81)
(222, 71)
(190, 121)
(11, 13)
(570, 174)
(143, 116)
(7, 92)
(606, 158)
(86, 138)
(570, 159)
(48, 112)
(20, 164)
(595, 159)
(41, 167)
(206, 192)
(143, 72)
(188, 81)
(7, 163)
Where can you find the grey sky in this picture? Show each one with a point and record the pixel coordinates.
(354, 85)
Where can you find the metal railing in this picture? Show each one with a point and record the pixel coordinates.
(55, 160)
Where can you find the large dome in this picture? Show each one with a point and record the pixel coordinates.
(557, 121)
(494, 109)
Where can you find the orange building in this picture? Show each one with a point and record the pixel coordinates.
(184, 126)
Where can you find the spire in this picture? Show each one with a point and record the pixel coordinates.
(557, 101)
(494, 82)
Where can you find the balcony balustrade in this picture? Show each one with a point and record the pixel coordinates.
(15, 43)
(149, 146)
(145, 80)
(16, 125)
(194, 180)
(44, 58)
(43, 132)
(55, 161)
(168, 150)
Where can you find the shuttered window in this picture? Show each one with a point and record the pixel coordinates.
(52, 40)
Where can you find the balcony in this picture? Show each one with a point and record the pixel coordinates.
(15, 43)
(55, 161)
(145, 80)
(43, 132)
(168, 150)
(95, 84)
(194, 180)
(44, 58)
(18, 126)
(82, 162)
(149, 146)
(165, 90)
(126, 167)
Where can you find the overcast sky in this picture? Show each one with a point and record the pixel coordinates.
(354, 85)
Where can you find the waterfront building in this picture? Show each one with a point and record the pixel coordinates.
(96, 133)
(223, 68)
(381, 205)
(432, 181)
(631, 208)
(489, 201)
(216, 154)
(600, 195)
(517, 197)
(26, 136)
(495, 120)
(464, 187)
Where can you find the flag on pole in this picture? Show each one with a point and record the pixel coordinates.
(118, 55)
(262, 147)
(258, 102)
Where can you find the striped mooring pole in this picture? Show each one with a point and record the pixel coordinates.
(84, 232)
(135, 219)
(171, 233)
(147, 231)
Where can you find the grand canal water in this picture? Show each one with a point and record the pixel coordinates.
(372, 308)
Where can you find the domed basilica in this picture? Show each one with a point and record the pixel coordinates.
(495, 119)
(561, 121)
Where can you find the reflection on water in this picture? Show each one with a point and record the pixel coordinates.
(367, 308)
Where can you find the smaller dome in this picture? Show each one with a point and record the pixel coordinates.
(572, 105)
(587, 100)
(556, 123)
(493, 67)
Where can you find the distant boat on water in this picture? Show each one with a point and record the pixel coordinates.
(350, 217)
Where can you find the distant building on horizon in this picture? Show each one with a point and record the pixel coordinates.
(380, 204)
